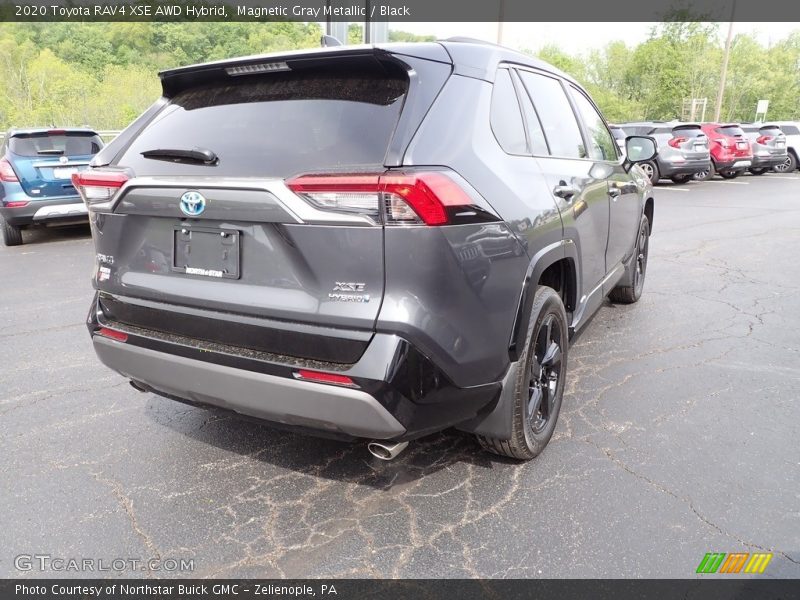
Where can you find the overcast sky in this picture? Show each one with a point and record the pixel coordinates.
(577, 37)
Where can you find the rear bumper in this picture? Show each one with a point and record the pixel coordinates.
(59, 210)
(399, 393)
(734, 163)
(689, 167)
(760, 162)
(268, 397)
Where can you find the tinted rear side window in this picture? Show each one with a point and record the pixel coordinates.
(555, 112)
(790, 129)
(505, 117)
(276, 125)
(730, 131)
(62, 144)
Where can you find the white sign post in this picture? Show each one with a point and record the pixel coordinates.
(761, 109)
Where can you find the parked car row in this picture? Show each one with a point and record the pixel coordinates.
(701, 150)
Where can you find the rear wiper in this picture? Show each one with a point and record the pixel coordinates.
(53, 151)
(198, 155)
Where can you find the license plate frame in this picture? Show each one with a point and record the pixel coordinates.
(208, 252)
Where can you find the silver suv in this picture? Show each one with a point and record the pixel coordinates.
(683, 150)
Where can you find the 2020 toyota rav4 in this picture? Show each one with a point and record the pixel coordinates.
(369, 242)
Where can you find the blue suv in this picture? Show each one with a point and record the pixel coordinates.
(36, 171)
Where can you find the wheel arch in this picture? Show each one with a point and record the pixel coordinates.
(556, 260)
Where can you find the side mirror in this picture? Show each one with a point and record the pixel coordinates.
(639, 148)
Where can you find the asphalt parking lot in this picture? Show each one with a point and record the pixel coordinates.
(678, 435)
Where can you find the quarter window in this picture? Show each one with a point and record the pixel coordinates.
(505, 117)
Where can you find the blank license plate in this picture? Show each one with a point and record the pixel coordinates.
(64, 172)
(206, 252)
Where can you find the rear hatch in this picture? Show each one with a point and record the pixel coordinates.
(691, 141)
(45, 161)
(734, 140)
(771, 139)
(216, 245)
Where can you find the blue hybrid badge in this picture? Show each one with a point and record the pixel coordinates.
(192, 204)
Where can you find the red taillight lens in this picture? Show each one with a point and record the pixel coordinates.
(676, 141)
(320, 377)
(723, 142)
(17, 204)
(402, 198)
(113, 334)
(7, 172)
(763, 139)
(98, 186)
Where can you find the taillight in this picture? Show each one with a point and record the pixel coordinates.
(97, 187)
(399, 198)
(112, 334)
(320, 377)
(7, 172)
(676, 141)
(763, 139)
(723, 142)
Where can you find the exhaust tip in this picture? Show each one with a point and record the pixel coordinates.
(386, 451)
(137, 386)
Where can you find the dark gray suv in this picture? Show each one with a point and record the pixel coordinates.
(372, 242)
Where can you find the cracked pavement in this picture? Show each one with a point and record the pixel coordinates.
(678, 435)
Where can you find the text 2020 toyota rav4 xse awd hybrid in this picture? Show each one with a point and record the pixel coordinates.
(369, 242)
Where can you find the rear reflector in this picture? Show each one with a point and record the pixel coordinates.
(98, 186)
(402, 198)
(113, 334)
(320, 377)
(17, 204)
(7, 172)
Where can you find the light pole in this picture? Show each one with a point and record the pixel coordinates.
(724, 74)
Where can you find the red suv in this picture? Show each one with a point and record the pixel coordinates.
(731, 154)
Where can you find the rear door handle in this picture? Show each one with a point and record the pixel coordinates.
(562, 190)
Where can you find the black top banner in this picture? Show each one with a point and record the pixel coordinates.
(400, 11)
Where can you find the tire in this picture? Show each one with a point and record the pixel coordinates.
(788, 166)
(729, 174)
(650, 169)
(540, 381)
(12, 236)
(629, 290)
(706, 175)
(757, 170)
(678, 179)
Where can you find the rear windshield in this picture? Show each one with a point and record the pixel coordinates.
(52, 144)
(731, 130)
(276, 125)
(688, 132)
(773, 131)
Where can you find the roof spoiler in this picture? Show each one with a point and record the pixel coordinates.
(174, 81)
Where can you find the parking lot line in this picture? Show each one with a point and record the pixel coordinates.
(734, 182)
(782, 177)
(673, 189)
